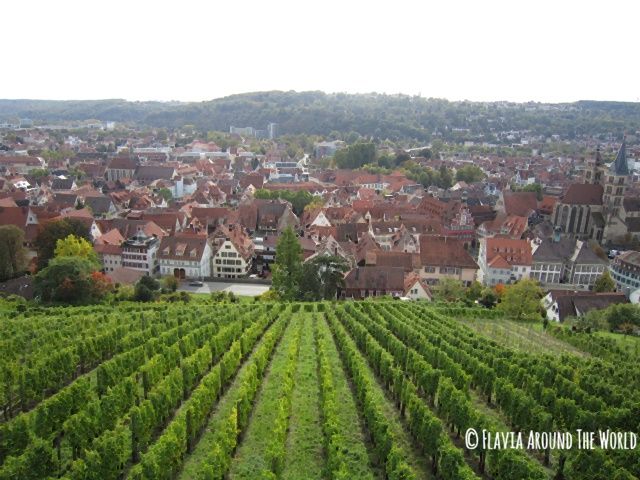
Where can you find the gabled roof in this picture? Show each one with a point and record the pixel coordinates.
(513, 252)
(179, 247)
(583, 194)
(375, 278)
(445, 252)
(520, 203)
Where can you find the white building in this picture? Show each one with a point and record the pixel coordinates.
(232, 253)
(503, 260)
(140, 253)
(185, 257)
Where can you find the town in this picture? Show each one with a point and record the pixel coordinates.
(211, 206)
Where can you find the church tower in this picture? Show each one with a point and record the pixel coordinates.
(615, 183)
(594, 170)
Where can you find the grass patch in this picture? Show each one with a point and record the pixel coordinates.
(529, 338)
(250, 460)
(305, 456)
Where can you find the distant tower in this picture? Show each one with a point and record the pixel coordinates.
(272, 130)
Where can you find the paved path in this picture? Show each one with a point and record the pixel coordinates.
(245, 289)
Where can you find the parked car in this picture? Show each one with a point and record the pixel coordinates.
(196, 283)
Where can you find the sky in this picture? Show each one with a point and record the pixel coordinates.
(189, 50)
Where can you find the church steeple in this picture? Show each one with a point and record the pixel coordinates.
(620, 165)
(599, 160)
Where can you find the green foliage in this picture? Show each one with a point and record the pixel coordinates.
(469, 174)
(382, 116)
(356, 155)
(170, 283)
(450, 290)
(49, 234)
(287, 268)
(298, 199)
(12, 252)
(621, 313)
(521, 301)
(604, 283)
(146, 289)
(166, 194)
(68, 280)
(73, 246)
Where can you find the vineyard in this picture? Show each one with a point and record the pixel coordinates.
(370, 390)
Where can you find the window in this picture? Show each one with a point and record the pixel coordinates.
(430, 269)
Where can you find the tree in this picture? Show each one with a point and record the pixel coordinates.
(446, 179)
(72, 246)
(49, 234)
(449, 290)
(12, 252)
(69, 280)
(170, 283)
(288, 266)
(470, 174)
(356, 155)
(166, 194)
(146, 289)
(521, 301)
(328, 270)
(618, 314)
(532, 187)
(604, 283)
(489, 298)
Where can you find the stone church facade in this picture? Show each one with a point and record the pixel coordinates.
(594, 209)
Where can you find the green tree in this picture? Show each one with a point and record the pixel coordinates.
(166, 194)
(288, 266)
(521, 301)
(12, 252)
(170, 283)
(446, 178)
(621, 313)
(356, 155)
(450, 290)
(604, 283)
(469, 174)
(329, 270)
(72, 246)
(47, 238)
(146, 289)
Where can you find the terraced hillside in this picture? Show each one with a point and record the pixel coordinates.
(369, 390)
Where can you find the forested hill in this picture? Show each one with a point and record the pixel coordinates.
(397, 117)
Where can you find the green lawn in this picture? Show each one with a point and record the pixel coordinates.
(526, 337)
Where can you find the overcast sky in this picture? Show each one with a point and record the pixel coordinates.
(191, 50)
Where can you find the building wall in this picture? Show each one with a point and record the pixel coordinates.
(433, 275)
(228, 263)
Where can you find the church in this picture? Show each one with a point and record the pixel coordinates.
(593, 210)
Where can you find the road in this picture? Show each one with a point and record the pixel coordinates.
(244, 289)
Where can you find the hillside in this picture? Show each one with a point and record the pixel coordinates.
(365, 390)
(397, 117)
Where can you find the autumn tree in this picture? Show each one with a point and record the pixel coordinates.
(69, 280)
(73, 246)
(49, 234)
